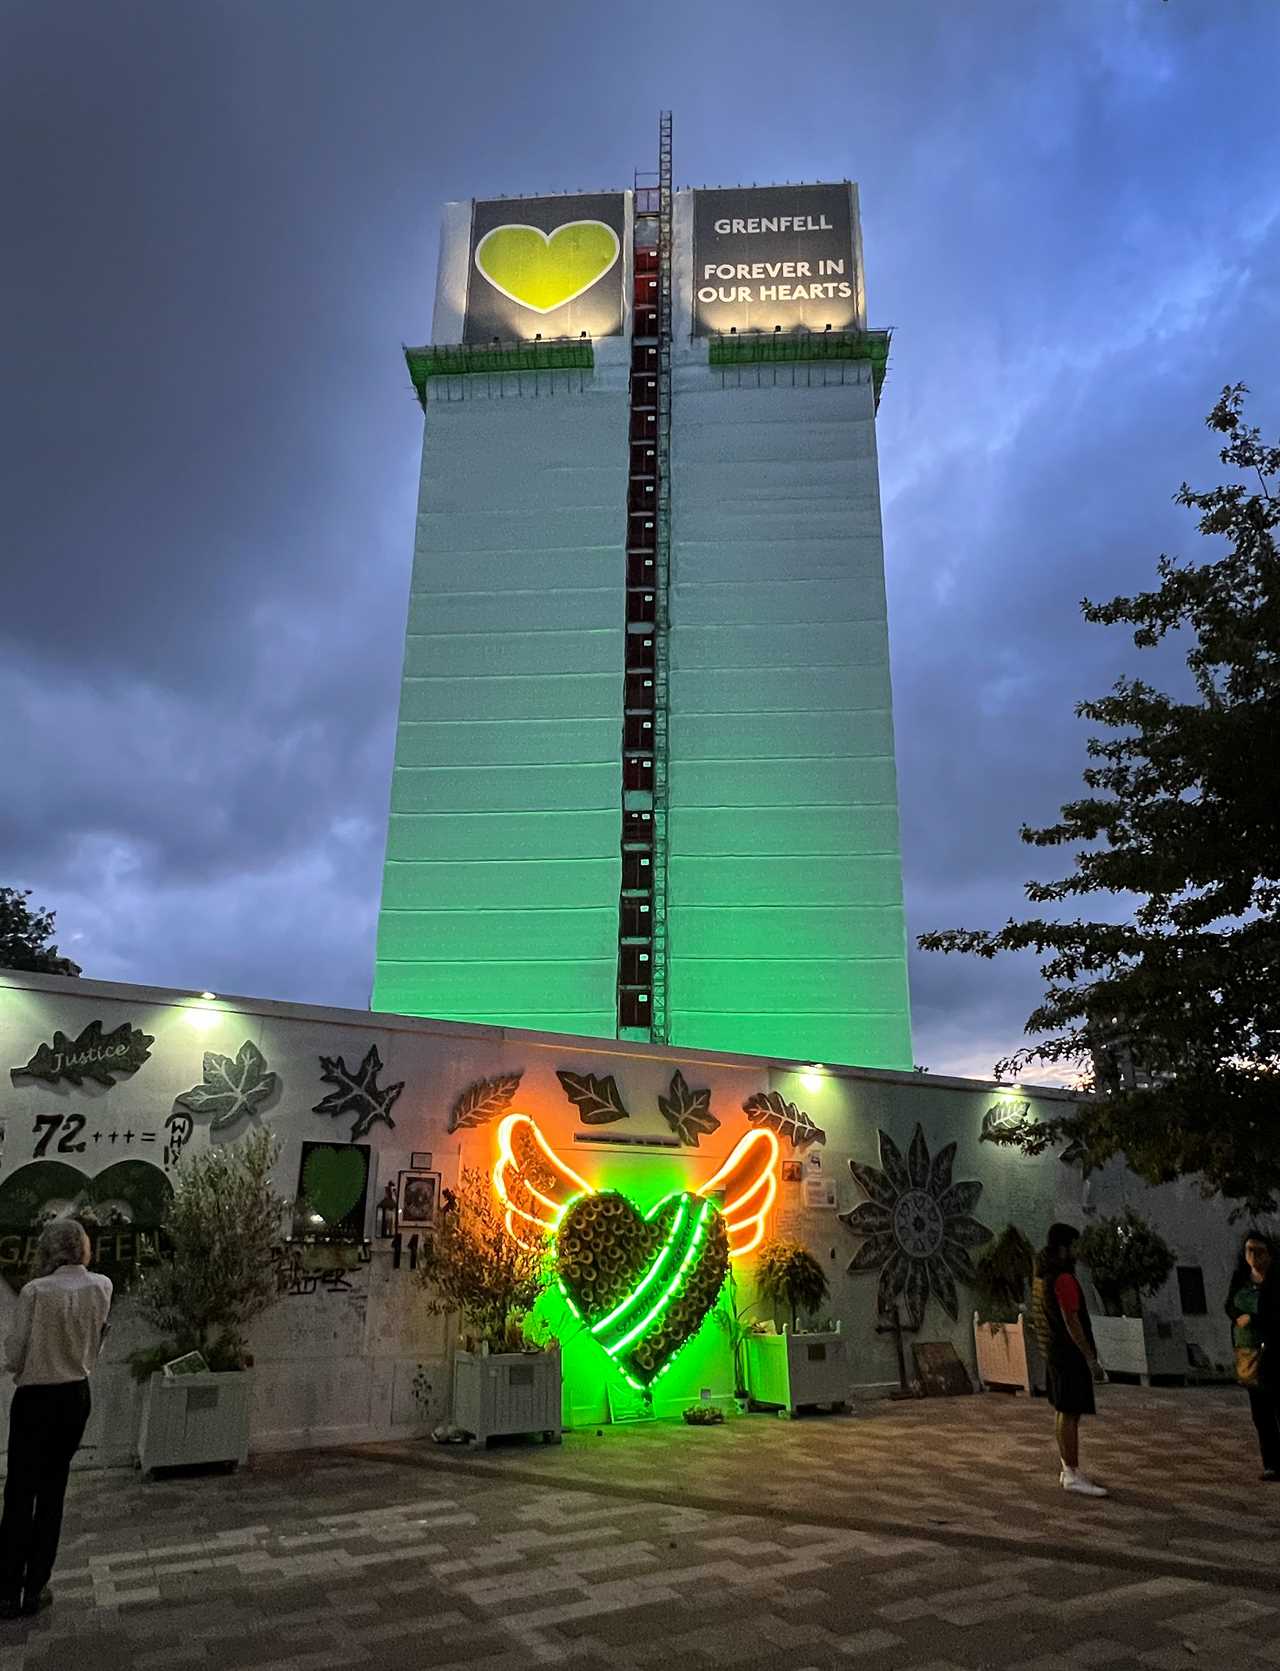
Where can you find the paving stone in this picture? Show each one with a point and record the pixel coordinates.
(925, 1537)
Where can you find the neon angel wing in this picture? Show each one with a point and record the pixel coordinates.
(532, 1182)
(748, 1181)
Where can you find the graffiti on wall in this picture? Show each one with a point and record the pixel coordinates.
(298, 1278)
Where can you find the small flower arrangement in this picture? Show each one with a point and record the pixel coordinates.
(703, 1415)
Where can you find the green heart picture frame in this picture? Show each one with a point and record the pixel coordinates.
(333, 1182)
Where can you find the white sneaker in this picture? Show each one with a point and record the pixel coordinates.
(1071, 1479)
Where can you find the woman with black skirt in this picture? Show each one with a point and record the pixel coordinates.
(1061, 1320)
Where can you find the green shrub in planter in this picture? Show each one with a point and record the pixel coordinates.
(223, 1225)
(473, 1267)
(1126, 1259)
(1003, 1272)
(788, 1275)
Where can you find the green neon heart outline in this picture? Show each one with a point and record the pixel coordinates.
(627, 1324)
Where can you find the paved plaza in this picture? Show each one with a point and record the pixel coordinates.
(919, 1537)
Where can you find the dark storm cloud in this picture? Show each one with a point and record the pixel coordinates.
(222, 224)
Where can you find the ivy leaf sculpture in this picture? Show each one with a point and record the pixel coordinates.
(483, 1101)
(598, 1101)
(357, 1092)
(771, 1108)
(687, 1112)
(233, 1086)
(94, 1055)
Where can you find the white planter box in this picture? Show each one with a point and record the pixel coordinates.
(190, 1419)
(1141, 1346)
(790, 1371)
(1007, 1355)
(507, 1392)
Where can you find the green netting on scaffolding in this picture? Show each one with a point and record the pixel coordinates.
(463, 359)
(790, 347)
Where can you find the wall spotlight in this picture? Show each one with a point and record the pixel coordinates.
(813, 1076)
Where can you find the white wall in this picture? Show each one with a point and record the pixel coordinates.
(340, 1366)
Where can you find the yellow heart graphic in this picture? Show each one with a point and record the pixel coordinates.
(542, 271)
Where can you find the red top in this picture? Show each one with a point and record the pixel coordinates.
(1066, 1291)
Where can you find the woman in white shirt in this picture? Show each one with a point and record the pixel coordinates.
(51, 1350)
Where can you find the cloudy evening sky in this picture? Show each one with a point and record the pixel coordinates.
(219, 225)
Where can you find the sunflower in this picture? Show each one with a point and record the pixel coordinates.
(916, 1227)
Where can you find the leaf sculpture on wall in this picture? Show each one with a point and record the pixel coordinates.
(598, 1101)
(687, 1112)
(1004, 1122)
(771, 1108)
(93, 1055)
(233, 1086)
(357, 1092)
(484, 1101)
(916, 1227)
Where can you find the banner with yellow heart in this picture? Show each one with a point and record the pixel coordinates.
(544, 271)
(546, 266)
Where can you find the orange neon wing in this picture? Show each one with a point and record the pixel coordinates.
(532, 1182)
(749, 1182)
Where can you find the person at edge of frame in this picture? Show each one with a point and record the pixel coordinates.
(1253, 1304)
(51, 1350)
(1061, 1320)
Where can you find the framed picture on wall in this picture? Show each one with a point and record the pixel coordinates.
(333, 1189)
(419, 1199)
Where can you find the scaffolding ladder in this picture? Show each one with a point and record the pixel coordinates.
(643, 1009)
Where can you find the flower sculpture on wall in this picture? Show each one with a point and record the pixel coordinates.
(916, 1227)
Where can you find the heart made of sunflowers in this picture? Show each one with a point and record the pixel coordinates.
(641, 1282)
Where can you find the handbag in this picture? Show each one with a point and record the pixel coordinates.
(1248, 1366)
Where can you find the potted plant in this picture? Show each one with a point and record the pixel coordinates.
(503, 1381)
(794, 1369)
(222, 1226)
(1006, 1350)
(736, 1325)
(1128, 1260)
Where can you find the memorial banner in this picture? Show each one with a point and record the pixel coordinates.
(765, 256)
